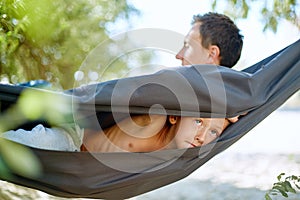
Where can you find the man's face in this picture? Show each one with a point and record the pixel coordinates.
(192, 51)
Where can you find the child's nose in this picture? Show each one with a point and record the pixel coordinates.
(200, 137)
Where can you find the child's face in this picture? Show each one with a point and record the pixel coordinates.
(194, 132)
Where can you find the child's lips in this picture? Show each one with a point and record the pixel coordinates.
(192, 145)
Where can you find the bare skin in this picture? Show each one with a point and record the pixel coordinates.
(130, 135)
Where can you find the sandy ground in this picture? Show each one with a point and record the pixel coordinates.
(245, 171)
(230, 177)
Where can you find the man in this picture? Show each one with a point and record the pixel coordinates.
(213, 39)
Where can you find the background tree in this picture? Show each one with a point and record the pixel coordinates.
(271, 11)
(49, 40)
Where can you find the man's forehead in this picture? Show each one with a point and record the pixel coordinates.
(193, 34)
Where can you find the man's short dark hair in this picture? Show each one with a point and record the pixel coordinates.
(218, 29)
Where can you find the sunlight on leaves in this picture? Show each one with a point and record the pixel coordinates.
(36, 104)
(49, 40)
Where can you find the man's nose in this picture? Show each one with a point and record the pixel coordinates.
(180, 54)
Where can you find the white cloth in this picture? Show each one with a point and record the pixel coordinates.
(64, 138)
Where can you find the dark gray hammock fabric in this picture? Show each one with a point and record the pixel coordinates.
(205, 91)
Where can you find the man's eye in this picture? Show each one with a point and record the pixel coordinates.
(198, 121)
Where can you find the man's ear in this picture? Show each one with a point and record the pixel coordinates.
(214, 54)
(172, 119)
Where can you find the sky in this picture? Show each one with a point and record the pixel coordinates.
(176, 15)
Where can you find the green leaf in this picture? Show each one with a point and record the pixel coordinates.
(289, 187)
(19, 159)
(213, 5)
(4, 172)
(281, 190)
(267, 197)
(279, 176)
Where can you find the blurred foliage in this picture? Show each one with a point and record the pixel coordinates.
(31, 105)
(285, 185)
(17, 159)
(271, 11)
(49, 39)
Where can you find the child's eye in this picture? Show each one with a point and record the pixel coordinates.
(198, 121)
(214, 132)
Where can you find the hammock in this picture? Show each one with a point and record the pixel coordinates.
(216, 92)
